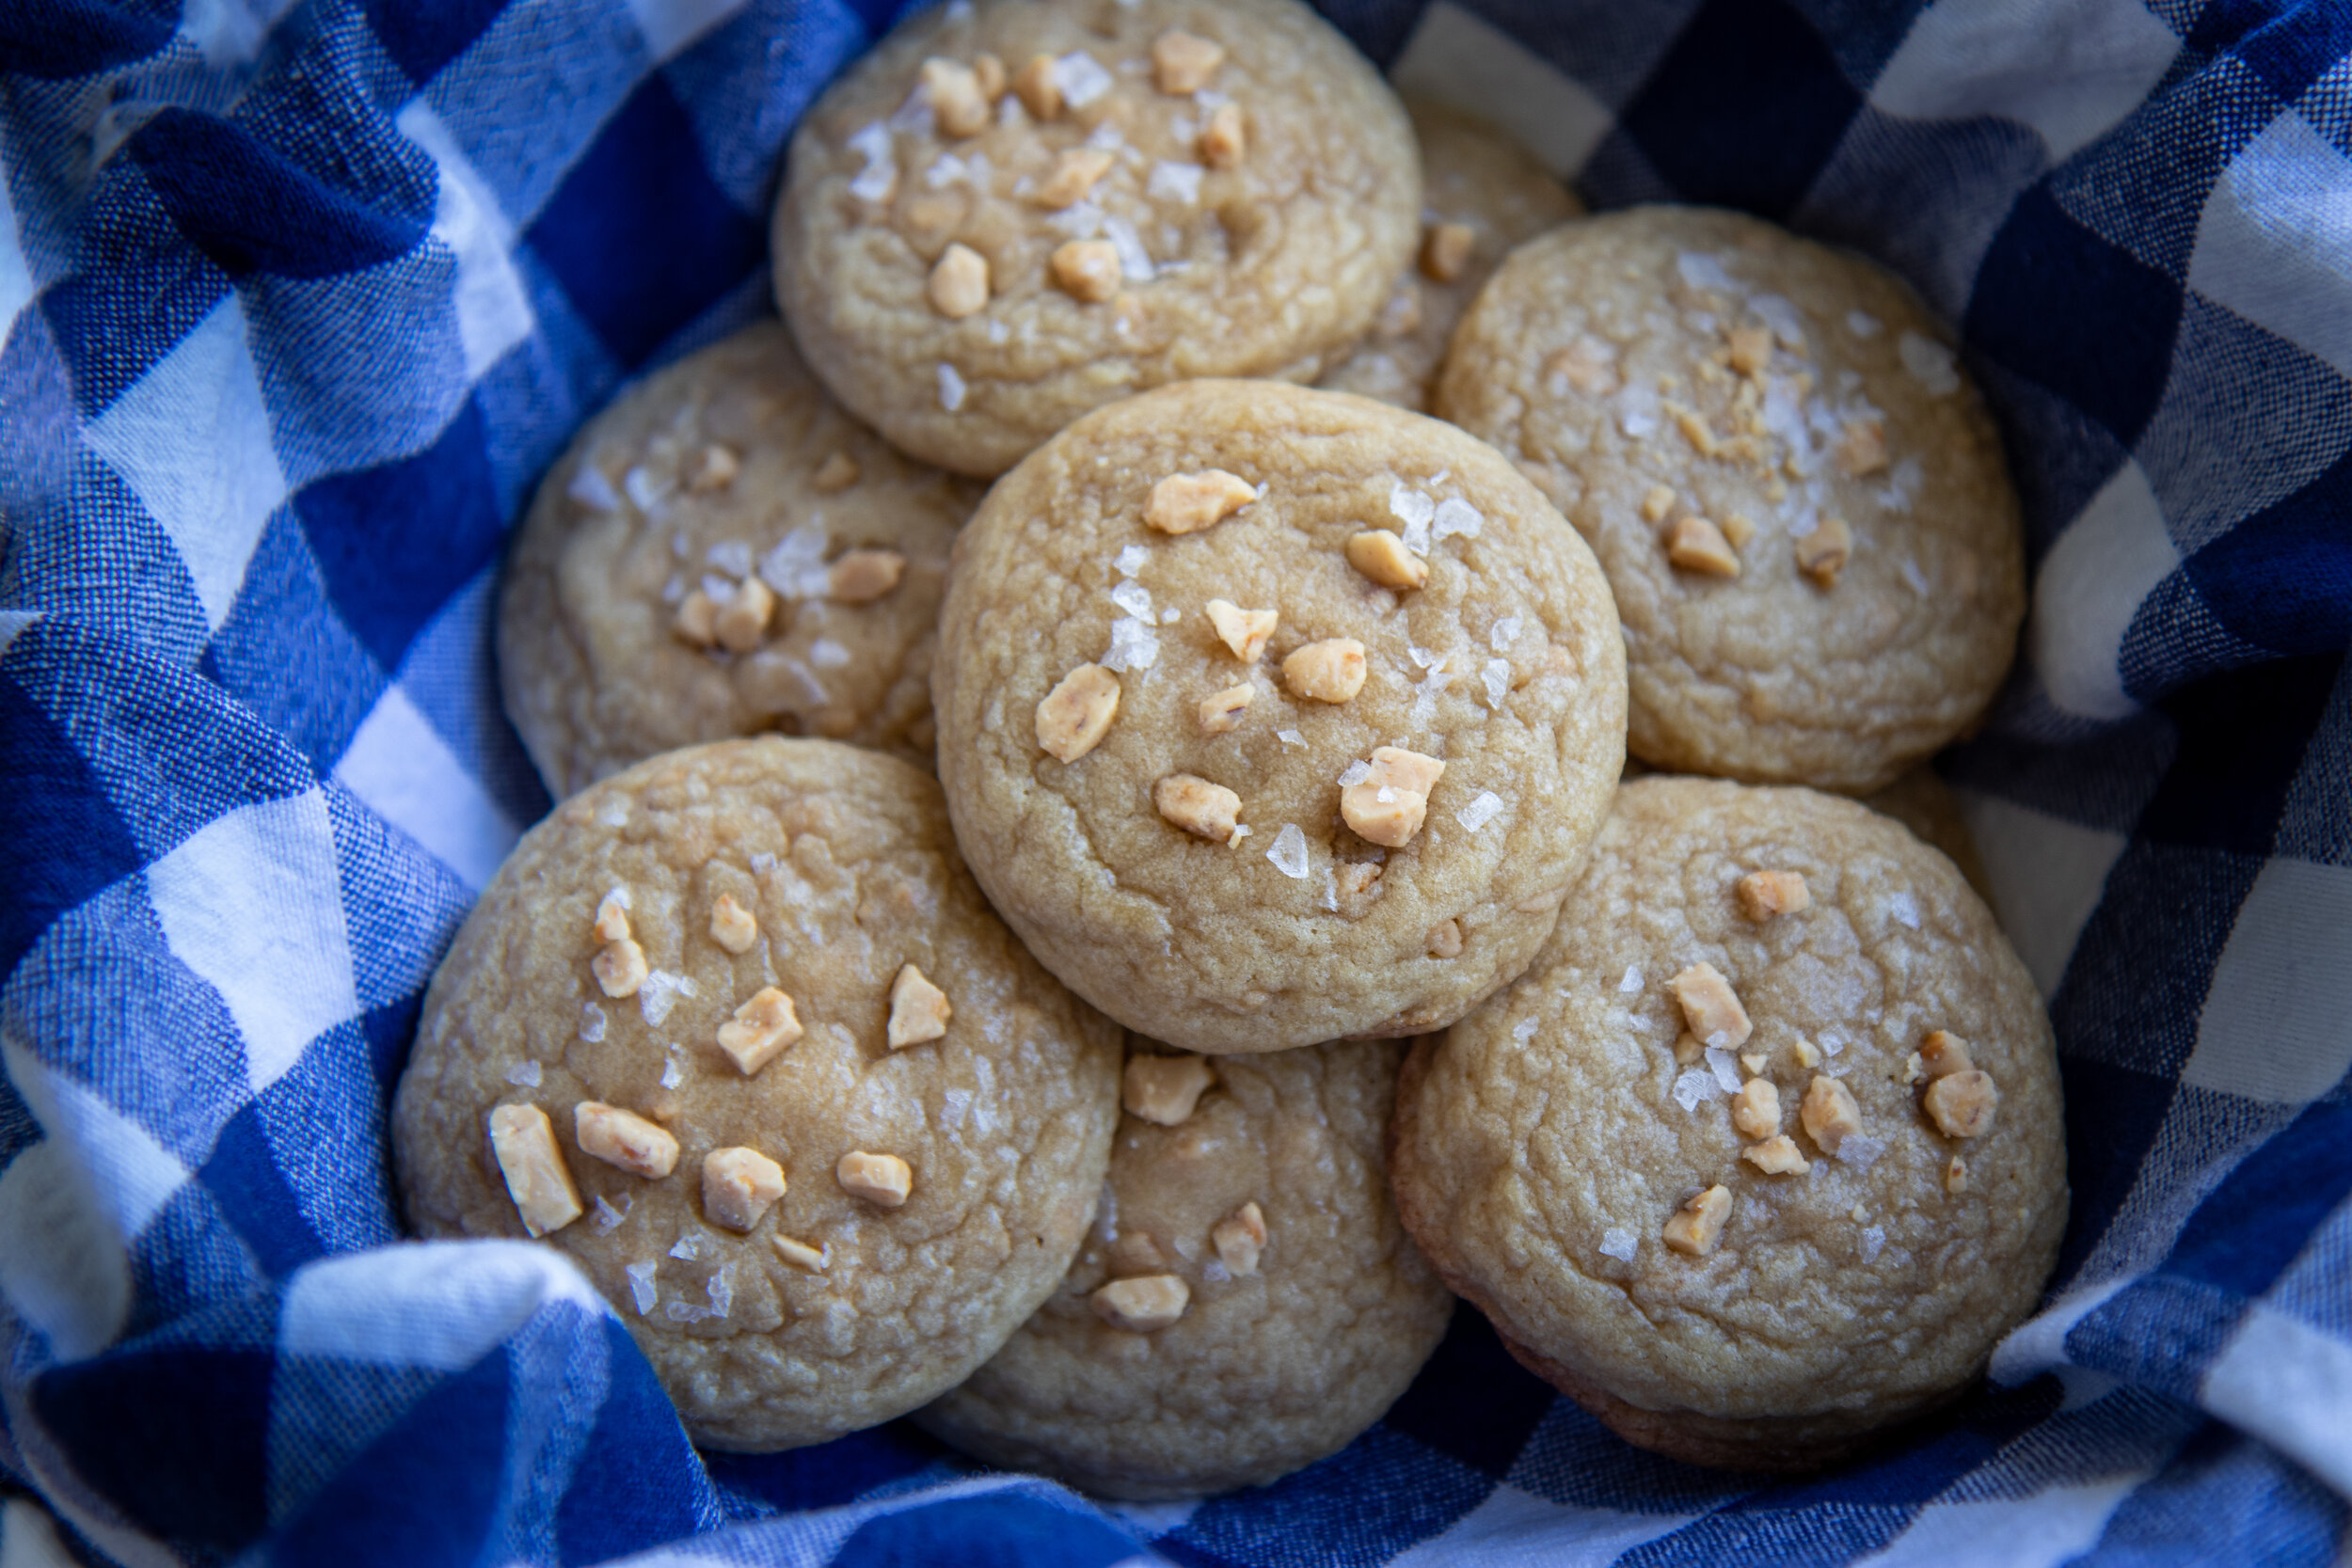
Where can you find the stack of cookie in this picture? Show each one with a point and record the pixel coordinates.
(1062, 1098)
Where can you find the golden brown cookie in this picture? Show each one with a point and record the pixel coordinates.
(1921, 801)
(1246, 1303)
(1799, 500)
(1225, 780)
(1481, 195)
(1011, 212)
(723, 551)
(734, 1031)
(1766, 1152)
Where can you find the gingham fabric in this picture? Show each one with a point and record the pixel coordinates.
(298, 302)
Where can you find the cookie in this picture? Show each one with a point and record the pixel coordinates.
(1225, 783)
(1481, 195)
(1921, 801)
(1800, 500)
(1765, 1153)
(1013, 211)
(734, 1031)
(722, 552)
(1246, 1303)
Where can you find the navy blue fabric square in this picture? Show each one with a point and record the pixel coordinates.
(2113, 1114)
(2281, 579)
(422, 38)
(644, 174)
(1486, 1435)
(243, 1178)
(1002, 1532)
(2223, 1498)
(285, 654)
(60, 838)
(830, 1474)
(2236, 1239)
(77, 38)
(326, 1119)
(2242, 741)
(177, 1436)
(629, 1490)
(2294, 50)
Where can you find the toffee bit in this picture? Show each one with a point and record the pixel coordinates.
(1077, 713)
(1696, 1228)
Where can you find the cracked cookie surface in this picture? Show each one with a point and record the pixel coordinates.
(806, 1230)
(1415, 773)
(1560, 1153)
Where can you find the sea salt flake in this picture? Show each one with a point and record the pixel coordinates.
(1106, 137)
(1831, 1043)
(1422, 656)
(1694, 1087)
(684, 1312)
(592, 1023)
(1134, 263)
(1290, 738)
(1416, 511)
(1914, 578)
(1330, 890)
(1505, 632)
(1782, 317)
(1134, 646)
(717, 589)
(950, 387)
(1873, 1242)
(673, 590)
(607, 1218)
(1720, 1062)
(720, 1289)
(1496, 675)
(953, 1105)
(763, 863)
(1637, 410)
(593, 490)
(1289, 852)
(1860, 1150)
(695, 1246)
(1905, 908)
(1169, 616)
(526, 1074)
(1702, 271)
(641, 1285)
(1862, 324)
(826, 653)
(1356, 773)
(1173, 182)
(1620, 1244)
(795, 568)
(1080, 220)
(875, 181)
(1081, 78)
(1134, 598)
(615, 812)
(1631, 981)
(914, 116)
(672, 1074)
(644, 491)
(1930, 363)
(1458, 516)
(1216, 1273)
(1130, 561)
(1481, 810)
(945, 170)
(1523, 1031)
(731, 556)
(660, 994)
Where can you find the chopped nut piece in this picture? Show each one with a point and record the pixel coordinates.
(1807, 1055)
(957, 101)
(1139, 1305)
(1698, 1225)
(1185, 503)
(742, 621)
(1775, 1156)
(1823, 553)
(761, 1028)
(1962, 1104)
(1181, 63)
(1584, 365)
(1956, 1175)
(801, 1255)
(1039, 88)
(733, 926)
(1445, 250)
(1087, 270)
(1240, 1240)
(1660, 501)
(880, 1179)
(1829, 1112)
(740, 1186)
(989, 72)
(1164, 1089)
(959, 282)
(1696, 431)
(620, 967)
(1737, 530)
(1224, 141)
(861, 576)
(1222, 712)
(1756, 1109)
(1696, 545)
(697, 620)
(1332, 671)
(623, 1138)
(1136, 1252)
(1202, 809)
(714, 468)
(1754, 1061)
(1074, 174)
(1943, 1054)
(1765, 894)
(1689, 1048)
(1710, 1006)
(920, 1010)
(1445, 940)
(1405, 779)
(1382, 557)
(1077, 714)
(536, 1176)
(837, 473)
(612, 923)
(1750, 349)
(1245, 631)
(1863, 449)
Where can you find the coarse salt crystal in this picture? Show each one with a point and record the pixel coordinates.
(763, 863)
(1505, 632)
(950, 387)
(1637, 410)
(1169, 616)
(607, 1218)
(1694, 1086)
(672, 1074)
(1356, 773)
(721, 1289)
(1873, 1240)
(660, 994)
(684, 1312)
(1175, 182)
(1523, 1031)
(1702, 271)
(1831, 1043)
(1134, 598)
(1127, 563)
(1290, 738)
(1862, 324)
(615, 812)
(1631, 981)
(1216, 1273)
(1914, 577)
(1134, 261)
(644, 489)
(1422, 656)
(1905, 908)
(717, 589)
(593, 490)
(1781, 316)
(1496, 675)
(592, 1023)
(1725, 1069)
(1330, 891)
(1620, 1244)
(525, 1074)
(641, 1285)
(1481, 810)
(1416, 511)
(1458, 516)
(1081, 78)
(1134, 646)
(875, 181)
(828, 655)
(1930, 363)
(915, 115)
(695, 1246)
(1860, 1150)
(1080, 220)
(1289, 852)
(796, 567)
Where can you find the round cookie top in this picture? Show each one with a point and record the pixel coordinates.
(1800, 501)
(1198, 771)
(1747, 1183)
(1481, 195)
(1246, 1303)
(1011, 212)
(736, 1033)
(723, 551)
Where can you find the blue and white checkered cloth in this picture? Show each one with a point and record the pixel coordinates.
(299, 299)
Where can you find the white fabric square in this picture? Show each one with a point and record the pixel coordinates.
(2277, 1017)
(2038, 1343)
(1515, 1527)
(2070, 69)
(2289, 1385)
(670, 26)
(16, 277)
(407, 773)
(2040, 1531)
(1461, 61)
(2275, 243)
(441, 1305)
(493, 309)
(253, 904)
(2109, 559)
(191, 439)
(2047, 875)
